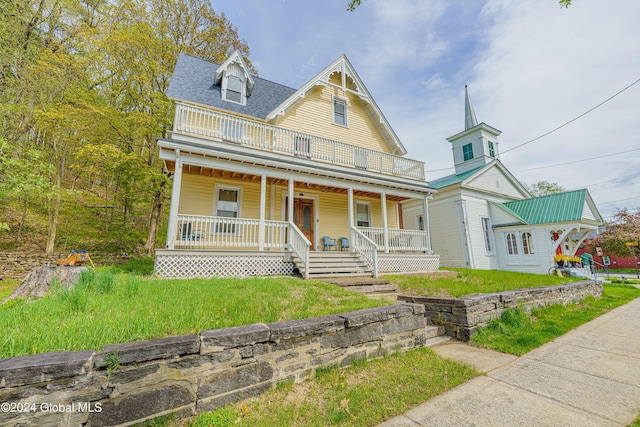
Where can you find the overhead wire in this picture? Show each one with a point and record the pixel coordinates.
(572, 120)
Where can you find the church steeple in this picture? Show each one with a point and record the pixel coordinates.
(477, 144)
(470, 119)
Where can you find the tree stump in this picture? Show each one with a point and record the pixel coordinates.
(39, 279)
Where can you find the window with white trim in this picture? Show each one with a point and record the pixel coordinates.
(492, 150)
(227, 205)
(512, 244)
(467, 152)
(486, 232)
(363, 214)
(339, 111)
(420, 222)
(527, 244)
(233, 89)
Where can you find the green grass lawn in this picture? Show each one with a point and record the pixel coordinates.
(7, 286)
(516, 332)
(470, 282)
(365, 394)
(105, 308)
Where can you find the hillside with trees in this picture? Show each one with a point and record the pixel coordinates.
(82, 101)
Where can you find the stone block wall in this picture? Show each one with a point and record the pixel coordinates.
(461, 317)
(133, 382)
(16, 265)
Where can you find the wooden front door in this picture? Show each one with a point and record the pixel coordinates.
(303, 217)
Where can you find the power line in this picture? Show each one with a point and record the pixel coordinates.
(577, 161)
(572, 120)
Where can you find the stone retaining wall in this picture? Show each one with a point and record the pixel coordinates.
(132, 382)
(462, 316)
(16, 265)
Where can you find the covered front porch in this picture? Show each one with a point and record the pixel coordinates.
(232, 219)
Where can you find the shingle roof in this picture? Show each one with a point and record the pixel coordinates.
(452, 179)
(193, 78)
(560, 207)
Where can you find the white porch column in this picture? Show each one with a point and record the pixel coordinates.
(427, 224)
(263, 206)
(290, 206)
(172, 231)
(350, 207)
(385, 222)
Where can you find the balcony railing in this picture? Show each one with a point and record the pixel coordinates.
(398, 240)
(211, 124)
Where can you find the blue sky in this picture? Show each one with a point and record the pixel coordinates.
(531, 66)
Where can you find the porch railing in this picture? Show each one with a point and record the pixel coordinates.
(366, 248)
(300, 246)
(196, 231)
(208, 123)
(398, 240)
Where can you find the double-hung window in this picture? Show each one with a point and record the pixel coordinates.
(233, 89)
(363, 215)
(486, 232)
(512, 244)
(227, 206)
(467, 152)
(339, 111)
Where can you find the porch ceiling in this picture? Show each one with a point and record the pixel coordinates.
(245, 177)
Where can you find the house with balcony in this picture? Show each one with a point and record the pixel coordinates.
(482, 217)
(272, 180)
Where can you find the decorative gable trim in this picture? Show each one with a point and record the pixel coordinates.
(350, 83)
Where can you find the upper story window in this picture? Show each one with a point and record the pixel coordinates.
(339, 111)
(234, 79)
(467, 152)
(492, 150)
(233, 89)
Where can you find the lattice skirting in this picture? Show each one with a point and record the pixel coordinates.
(393, 263)
(214, 265)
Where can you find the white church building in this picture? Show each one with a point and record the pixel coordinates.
(482, 217)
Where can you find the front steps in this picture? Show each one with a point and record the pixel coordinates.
(335, 264)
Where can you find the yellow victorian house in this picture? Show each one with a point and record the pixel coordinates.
(270, 180)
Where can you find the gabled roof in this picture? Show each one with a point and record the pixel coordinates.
(445, 181)
(553, 208)
(349, 76)
(193, 81)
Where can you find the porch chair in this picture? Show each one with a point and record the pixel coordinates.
(344, 244)
(328, 243)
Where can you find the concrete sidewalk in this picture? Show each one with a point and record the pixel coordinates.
(587, 377)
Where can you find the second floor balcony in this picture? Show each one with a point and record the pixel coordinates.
(210, 124)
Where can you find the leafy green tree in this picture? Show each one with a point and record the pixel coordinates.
(624, 228)
(543, 188)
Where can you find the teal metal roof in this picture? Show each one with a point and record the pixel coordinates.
(452, 179)
(560, 207)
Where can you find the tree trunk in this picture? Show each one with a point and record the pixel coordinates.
(54, 219)
(154, 219)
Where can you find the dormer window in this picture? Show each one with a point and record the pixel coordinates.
(234, 79)
(467, 152)
(233, 89)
